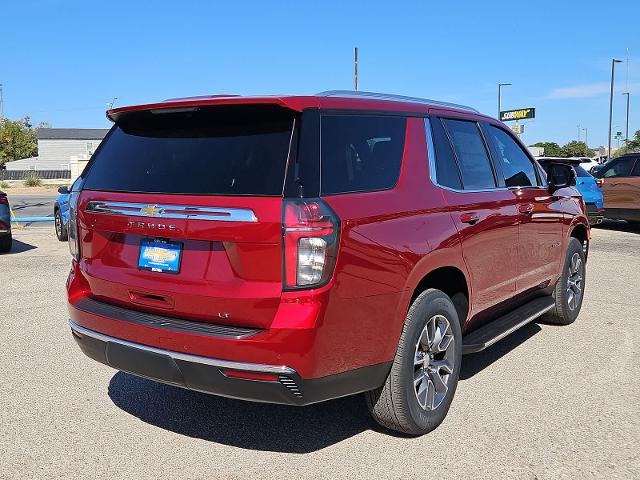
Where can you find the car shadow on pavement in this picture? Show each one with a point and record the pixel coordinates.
(618, 226)
(249, 425)
(20, 247)
(476, 362)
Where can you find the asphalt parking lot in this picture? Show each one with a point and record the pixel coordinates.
(546, 403)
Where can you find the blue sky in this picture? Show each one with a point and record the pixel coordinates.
(62, 61)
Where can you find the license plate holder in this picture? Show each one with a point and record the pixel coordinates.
(159, 255)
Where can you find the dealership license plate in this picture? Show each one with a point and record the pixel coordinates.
(160, 255)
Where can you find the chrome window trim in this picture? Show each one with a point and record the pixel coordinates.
(185, 357)
(432, 166)
(220, 214)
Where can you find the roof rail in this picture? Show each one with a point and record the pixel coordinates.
(392, 97)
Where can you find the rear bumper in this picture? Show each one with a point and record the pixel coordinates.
(594, 213)
(279, 383)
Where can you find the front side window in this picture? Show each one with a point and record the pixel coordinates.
(622, 168)
(472, 155)
(360, 153)
(517, 169)
(636, 170)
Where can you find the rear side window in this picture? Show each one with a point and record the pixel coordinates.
(218, 151)
(473, 158)
(636, 170)
(447, 173)
(360, 153)
(517, 169)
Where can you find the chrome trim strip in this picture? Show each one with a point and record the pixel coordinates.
(220, 214)
(185, 357)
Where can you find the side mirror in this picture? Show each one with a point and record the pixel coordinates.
(560, 176)
(64, 190)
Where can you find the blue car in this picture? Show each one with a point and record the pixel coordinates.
(61, 213)
(5, 224)
(587, 185)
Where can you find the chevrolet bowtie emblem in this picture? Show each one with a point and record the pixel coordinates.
(151, 210)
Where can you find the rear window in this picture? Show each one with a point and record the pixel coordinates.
(217, 151)
(581, 172)
(360, 153)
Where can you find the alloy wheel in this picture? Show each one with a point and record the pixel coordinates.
(574, 282)
(58, 224)
(433, 362)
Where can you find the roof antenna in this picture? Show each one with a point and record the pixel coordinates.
(355, 69)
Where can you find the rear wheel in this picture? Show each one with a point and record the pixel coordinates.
(422, 382)
(5, 243)
(569, 290)
(61, 228)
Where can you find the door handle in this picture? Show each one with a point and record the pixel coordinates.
(470, 218)
(525, 209)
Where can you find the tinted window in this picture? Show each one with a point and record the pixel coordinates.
(222, 151)
(621, 168)
(447, 173)
(517, 169)
(472, 155)
(636, 170)
(360, 153)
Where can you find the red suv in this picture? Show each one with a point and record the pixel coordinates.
(295, 249)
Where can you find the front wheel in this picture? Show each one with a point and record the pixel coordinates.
(418, 392)
(569, 290)
(5, 243)
(61, 228)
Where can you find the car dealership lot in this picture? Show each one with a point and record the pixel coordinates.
(547, 402)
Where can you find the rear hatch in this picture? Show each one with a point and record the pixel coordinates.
(180, 213)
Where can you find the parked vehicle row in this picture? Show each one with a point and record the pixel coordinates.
(588, 186)
(298, 249)
(620, 179)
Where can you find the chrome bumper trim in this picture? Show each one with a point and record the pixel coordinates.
(185, 357)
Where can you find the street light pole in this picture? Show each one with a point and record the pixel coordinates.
(579, 129)
(613, 69)
(500, 85)
(586, 138)
(627, 130)
(1, 103)
(355, 68)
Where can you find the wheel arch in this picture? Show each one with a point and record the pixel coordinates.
(581, 233)
(453, 282)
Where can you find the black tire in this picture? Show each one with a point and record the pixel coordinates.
(395, 405)
(60, 227)
(5, 243)
(565, 310)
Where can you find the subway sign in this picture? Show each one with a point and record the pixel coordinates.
(520, 114)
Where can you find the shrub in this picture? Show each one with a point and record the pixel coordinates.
(4, 185)
(33, 181)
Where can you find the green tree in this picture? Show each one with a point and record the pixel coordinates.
(17, 139)
(576, 148)
(631, 147)
(551, 149)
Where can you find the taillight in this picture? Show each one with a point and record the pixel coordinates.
(72, 226)
(3, 199)
(599, 182)
(310, 238)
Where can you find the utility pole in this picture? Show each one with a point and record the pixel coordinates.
(586, 138)
(500, 85)
(613, 69)
(1, 103)
(355, 69)
(626, 136)
(579, 129)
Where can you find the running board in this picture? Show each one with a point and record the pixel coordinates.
(499, 328)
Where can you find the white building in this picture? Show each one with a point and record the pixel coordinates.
(56, 146)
